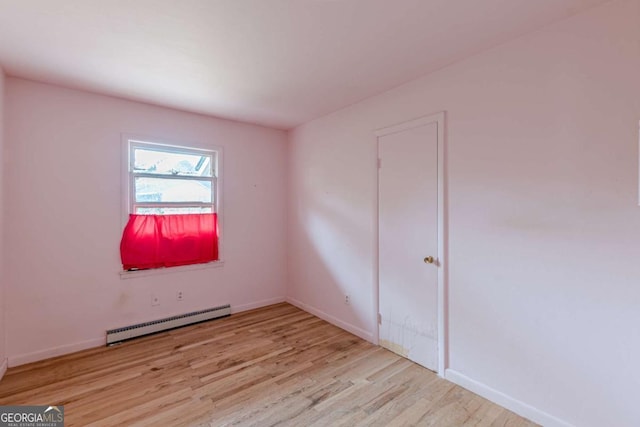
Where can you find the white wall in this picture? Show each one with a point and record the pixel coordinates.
(544, 222)
(3, 350)
(63, 215)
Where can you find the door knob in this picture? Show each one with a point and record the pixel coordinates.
(429, 260)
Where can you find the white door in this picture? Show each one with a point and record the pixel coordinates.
(408, 237)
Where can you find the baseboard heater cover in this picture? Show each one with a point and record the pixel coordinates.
(134, 331)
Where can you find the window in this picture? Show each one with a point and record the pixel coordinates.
(171, 180)
(173, 202)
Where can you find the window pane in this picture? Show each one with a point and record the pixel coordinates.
(173, 211)
(162, 162)
(172, 190)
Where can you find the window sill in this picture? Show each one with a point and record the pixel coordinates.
(162, 271)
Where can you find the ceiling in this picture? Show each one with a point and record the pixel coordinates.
(278, 63)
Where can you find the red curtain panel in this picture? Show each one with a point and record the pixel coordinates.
(154, 241)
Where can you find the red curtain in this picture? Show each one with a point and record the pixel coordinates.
(153, 241)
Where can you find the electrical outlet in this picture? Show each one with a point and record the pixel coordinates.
(155, 300)
(179, 296)
(347, 299)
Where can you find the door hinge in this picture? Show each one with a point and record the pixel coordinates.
(379, 319)
(379, 163)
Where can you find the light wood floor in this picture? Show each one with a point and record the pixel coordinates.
(272, 366)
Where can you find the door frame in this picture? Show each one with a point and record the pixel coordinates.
(443, 313)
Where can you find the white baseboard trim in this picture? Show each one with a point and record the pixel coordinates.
(365, 335)
(22, 359)
(504, 400)
(256, 304)
(3, 367)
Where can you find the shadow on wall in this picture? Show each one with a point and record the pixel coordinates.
(327, 240)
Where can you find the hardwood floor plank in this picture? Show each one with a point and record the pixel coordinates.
(273, 366)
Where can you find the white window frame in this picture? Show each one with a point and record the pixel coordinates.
(129, 143)
(133, 204)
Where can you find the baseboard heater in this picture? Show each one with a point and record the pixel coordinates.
(128, 332)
